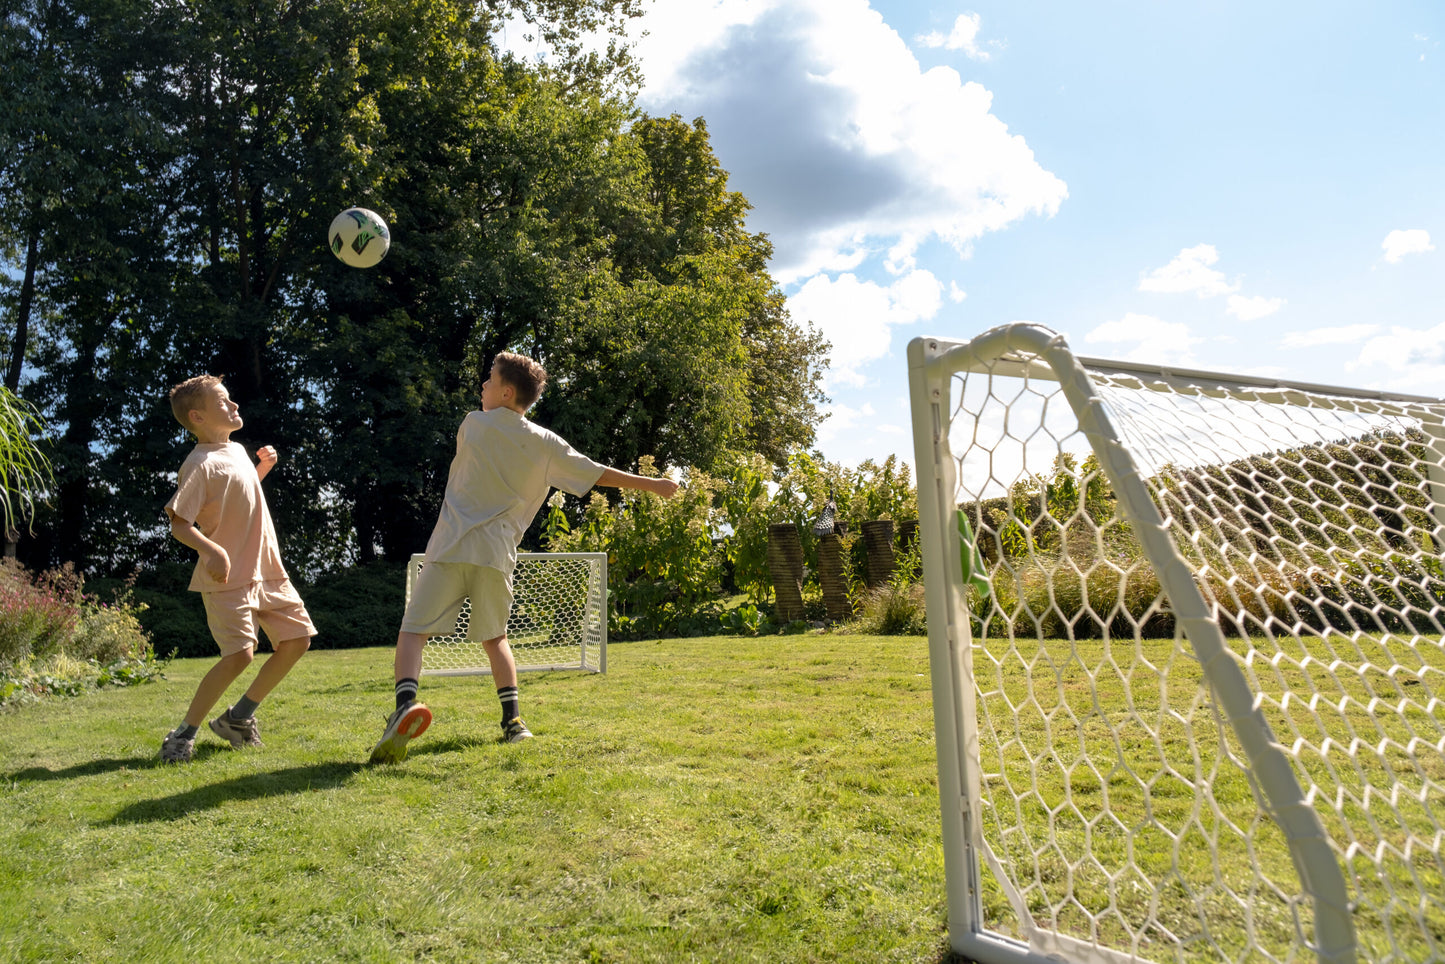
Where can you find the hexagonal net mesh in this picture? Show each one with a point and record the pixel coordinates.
(558, 619)
(1192, 628)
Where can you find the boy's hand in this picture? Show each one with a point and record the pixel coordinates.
(267, 456)
(664, 487)
(218, 564)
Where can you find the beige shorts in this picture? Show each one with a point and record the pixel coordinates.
(233, 615)
(440, 590)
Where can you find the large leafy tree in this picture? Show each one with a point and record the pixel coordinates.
(216, 139)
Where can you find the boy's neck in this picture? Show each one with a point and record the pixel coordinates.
(212, 436)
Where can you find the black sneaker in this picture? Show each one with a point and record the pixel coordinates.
(176, 748)
(405, 724)
(238, 733)
(515, 731)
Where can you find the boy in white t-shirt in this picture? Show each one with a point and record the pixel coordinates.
(504, 467)
(220, 511)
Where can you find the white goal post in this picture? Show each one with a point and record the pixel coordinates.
(1187, 639)
(558, 619)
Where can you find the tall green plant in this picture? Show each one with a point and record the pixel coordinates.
(24, 469)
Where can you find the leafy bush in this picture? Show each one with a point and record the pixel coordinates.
(664, 569)
(37, 612)
(359, 606)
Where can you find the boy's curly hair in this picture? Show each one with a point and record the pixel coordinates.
(526, 376)
(187, 394)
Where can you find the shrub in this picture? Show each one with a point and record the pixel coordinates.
(37, 612)
(106, 632)
(358, 606)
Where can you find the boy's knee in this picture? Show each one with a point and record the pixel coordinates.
(241, 658)
(298, 645)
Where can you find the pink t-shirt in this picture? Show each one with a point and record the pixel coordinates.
(217, 488)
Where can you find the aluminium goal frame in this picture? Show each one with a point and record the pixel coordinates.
(588, 640)
(1031, 351)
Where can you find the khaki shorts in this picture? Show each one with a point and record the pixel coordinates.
(233, 614)
(440, 590)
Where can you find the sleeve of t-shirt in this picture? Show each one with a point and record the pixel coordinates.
(190, 497)
(571, 471)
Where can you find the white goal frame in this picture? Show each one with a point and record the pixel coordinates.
(1326, 868)
(544, 632)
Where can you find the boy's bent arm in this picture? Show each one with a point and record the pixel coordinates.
(217, 562)
(626, 480)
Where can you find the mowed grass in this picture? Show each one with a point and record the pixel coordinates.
(712, 799)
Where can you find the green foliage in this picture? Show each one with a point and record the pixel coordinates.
(38, 613)
(664, 570)
(25, 472)
(357, 606)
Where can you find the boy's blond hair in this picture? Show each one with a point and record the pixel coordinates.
(526, 377)
(187, 395)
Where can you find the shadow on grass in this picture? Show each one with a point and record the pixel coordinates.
(321, 776)
(114, 765)
(450, 744)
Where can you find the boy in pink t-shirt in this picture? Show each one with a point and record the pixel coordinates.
(220, 511)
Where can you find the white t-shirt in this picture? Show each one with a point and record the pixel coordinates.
(218, 490)
(504, 467)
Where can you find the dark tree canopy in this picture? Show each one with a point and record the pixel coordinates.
(167, 176)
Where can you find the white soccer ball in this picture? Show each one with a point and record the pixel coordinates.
(359, 237)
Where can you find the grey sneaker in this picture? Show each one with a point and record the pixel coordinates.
(515, 731)
(238, 733)
(176, 748)
(407, 723)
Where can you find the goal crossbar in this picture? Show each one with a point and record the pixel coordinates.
(1271, 565)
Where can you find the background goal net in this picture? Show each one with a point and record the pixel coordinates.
(558, 619)
(1188, 672)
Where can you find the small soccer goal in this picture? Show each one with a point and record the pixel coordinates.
(1187, 636)
(558, 619)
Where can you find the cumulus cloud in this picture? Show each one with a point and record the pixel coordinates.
(1341, 335)
(1252, 308)
(1155, 341)
(841, 420)
(963, 36)
(1190, 271)
(858, 317)
(1412, 359)
(845, 146)
(1398, 244)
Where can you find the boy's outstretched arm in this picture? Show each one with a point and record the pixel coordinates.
(626, 480)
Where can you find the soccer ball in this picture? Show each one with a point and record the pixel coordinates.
(359, 237)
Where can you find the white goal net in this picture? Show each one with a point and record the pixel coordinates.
(1187, 634)
(558, 619)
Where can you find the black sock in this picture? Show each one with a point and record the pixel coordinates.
(185, 731)
(508, 696)
(405, 691)
(244, 709)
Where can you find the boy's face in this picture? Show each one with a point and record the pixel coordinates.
(495, 392)
(217, 414)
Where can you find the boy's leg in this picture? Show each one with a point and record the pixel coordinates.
(238, 725)
(504, 674)
(410, 719)
(180, 743)
(215, 683)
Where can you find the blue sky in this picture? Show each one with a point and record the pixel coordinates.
(1224, 185)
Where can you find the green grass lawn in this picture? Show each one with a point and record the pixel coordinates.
(716, 799)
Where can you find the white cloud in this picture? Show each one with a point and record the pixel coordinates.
(1156, 341)
(1342, 335)
(842, 419)
(1413, 359)
(1189, 271)
(1253, 308)
(955, 293)
(963, 36)
(845, 146)
(858, 316)
(1397, 244)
